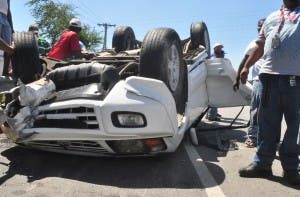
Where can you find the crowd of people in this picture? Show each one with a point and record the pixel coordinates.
(275, 57)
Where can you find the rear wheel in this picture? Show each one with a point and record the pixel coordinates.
(200, 36)
(123, 39)
(161, 58)
(25, 61)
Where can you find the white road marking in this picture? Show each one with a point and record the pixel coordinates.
(211, 187)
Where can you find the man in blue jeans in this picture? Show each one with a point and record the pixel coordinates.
(279, 42)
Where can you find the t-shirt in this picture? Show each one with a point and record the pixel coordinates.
(4, 7)
(68, 42)
(284, 60)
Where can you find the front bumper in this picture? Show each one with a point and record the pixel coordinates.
(85, 127)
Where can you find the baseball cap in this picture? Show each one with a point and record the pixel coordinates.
(34, 28)
(75, 22)
(218, 44)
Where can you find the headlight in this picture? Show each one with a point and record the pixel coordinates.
(128, 119)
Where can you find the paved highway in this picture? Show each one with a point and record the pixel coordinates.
(190, 171)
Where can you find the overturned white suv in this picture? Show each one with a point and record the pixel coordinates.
(139, 101)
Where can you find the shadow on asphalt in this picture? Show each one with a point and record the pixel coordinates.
(165, 171)
(280, 180)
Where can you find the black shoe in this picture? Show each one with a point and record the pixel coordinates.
(292, 177)
(255, 171)
(214, 119)
(219, 115)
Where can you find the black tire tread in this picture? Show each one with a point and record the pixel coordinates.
(153, 65)
(25, 61)
(198, 31)
(120, 37)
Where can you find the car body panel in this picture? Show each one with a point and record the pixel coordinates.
(219, 80)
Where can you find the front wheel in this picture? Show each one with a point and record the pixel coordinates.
(161, 58)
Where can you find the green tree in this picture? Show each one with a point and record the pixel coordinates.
(53, 18)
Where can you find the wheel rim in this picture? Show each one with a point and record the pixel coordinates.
(173, 67)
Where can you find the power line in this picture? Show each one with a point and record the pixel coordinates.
(106, 26)
(87, 8)
(87, 13)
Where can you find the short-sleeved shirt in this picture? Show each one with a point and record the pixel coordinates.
(256, 67)
(284, 60)
(67, 43)
(4, 6)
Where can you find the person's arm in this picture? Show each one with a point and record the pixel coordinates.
(237, 80)
(5, 47)
(253, 57)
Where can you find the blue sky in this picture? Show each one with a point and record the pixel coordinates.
(231, 22)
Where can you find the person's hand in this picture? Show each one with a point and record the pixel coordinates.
(236, 85)
(12, 49)
(244, 75)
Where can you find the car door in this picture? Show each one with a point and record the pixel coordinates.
(220, 78)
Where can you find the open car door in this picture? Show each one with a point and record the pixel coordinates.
(219, 81)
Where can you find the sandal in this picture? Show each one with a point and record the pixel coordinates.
(250, 143)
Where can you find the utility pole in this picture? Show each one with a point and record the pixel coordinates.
(106, 26)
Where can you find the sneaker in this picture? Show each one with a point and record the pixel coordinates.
(219, 115)
(292, 177)
(255, 171)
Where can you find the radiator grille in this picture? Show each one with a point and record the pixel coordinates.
(77, 146)
(73, 118)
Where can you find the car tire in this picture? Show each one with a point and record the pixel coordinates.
(161, 58)
(83, 74)
(200, 36)
(25, 61)
(123, 39)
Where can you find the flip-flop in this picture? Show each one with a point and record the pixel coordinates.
(250, 143)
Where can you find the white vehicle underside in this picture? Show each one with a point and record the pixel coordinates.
(136, 115)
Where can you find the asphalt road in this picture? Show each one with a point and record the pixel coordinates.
(190, 171)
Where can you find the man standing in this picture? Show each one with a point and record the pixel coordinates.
(212, 113)
(251, 140)
(67, 46)
(279, 43)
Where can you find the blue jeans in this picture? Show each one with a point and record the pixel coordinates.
(253, 128)
(5, 33)
(278, 98)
